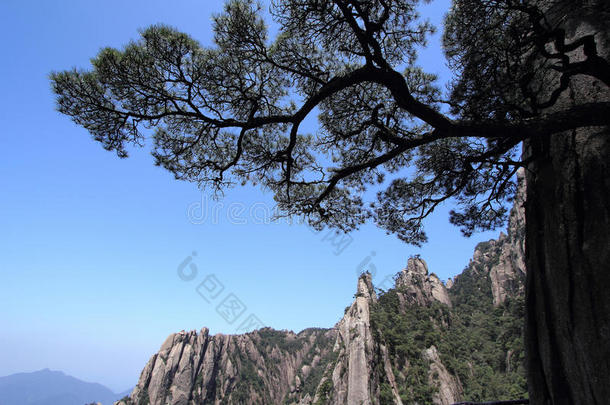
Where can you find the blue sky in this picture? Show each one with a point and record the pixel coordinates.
(90, 244)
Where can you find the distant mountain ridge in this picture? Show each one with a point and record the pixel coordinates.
(421, 342)
(48, 387)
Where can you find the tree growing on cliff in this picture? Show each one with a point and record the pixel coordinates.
(533, 72)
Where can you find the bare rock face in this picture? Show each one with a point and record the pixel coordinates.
(355, 344)
(507, 277)
(503, 258)
(419, 287)
(361, 359)
(449, 389)
(261, 367)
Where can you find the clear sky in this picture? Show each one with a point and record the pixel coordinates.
(90, 245)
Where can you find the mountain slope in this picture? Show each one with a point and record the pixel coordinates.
(46, 387)
(421, 342)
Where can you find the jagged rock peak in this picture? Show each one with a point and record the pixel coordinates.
(365, 287)
(417, 265)
(361, 359)
(261, 367)
(353, 363)
(503, 258)
(418, 286)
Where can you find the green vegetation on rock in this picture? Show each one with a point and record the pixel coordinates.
(480, 344)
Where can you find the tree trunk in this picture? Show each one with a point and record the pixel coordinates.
(568, 253)
(568, 261)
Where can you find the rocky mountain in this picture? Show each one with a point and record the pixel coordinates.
(503, 258)
(420, 342)
(261, 367)
(48, 387)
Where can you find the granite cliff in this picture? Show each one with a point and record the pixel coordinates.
(421, 342)
(503, 259)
